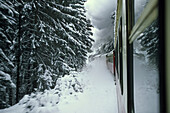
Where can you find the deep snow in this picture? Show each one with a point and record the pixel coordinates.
(98, 94)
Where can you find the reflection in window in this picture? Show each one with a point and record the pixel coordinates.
(149, 42)
(146, 73)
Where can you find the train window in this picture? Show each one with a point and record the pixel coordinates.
(139, 6)
(146, 71)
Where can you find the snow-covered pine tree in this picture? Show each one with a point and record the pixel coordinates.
(8, 34)
(83, 28)
(68, 31)
(77, 29)
(55, 40)
(27, 33)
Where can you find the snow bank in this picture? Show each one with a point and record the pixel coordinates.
(91, 91)
(99, 94)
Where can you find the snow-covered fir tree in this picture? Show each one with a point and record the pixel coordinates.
(8, 35)
(52, 38)
(59, 38)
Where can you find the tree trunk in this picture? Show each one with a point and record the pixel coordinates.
(18, 57)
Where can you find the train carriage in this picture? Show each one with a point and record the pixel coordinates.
(139, 61)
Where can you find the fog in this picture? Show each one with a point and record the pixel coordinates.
(100, 12)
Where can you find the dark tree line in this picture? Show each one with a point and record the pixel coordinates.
(40, 41)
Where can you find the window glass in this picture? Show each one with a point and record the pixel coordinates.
(146, 73)
(139, 6)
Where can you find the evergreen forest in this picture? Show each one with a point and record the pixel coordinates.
(40, 41)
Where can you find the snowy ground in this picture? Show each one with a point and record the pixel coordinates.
(98, 94)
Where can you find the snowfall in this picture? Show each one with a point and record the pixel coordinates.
(95, 92)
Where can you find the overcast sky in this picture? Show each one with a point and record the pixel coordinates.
(99, 12)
